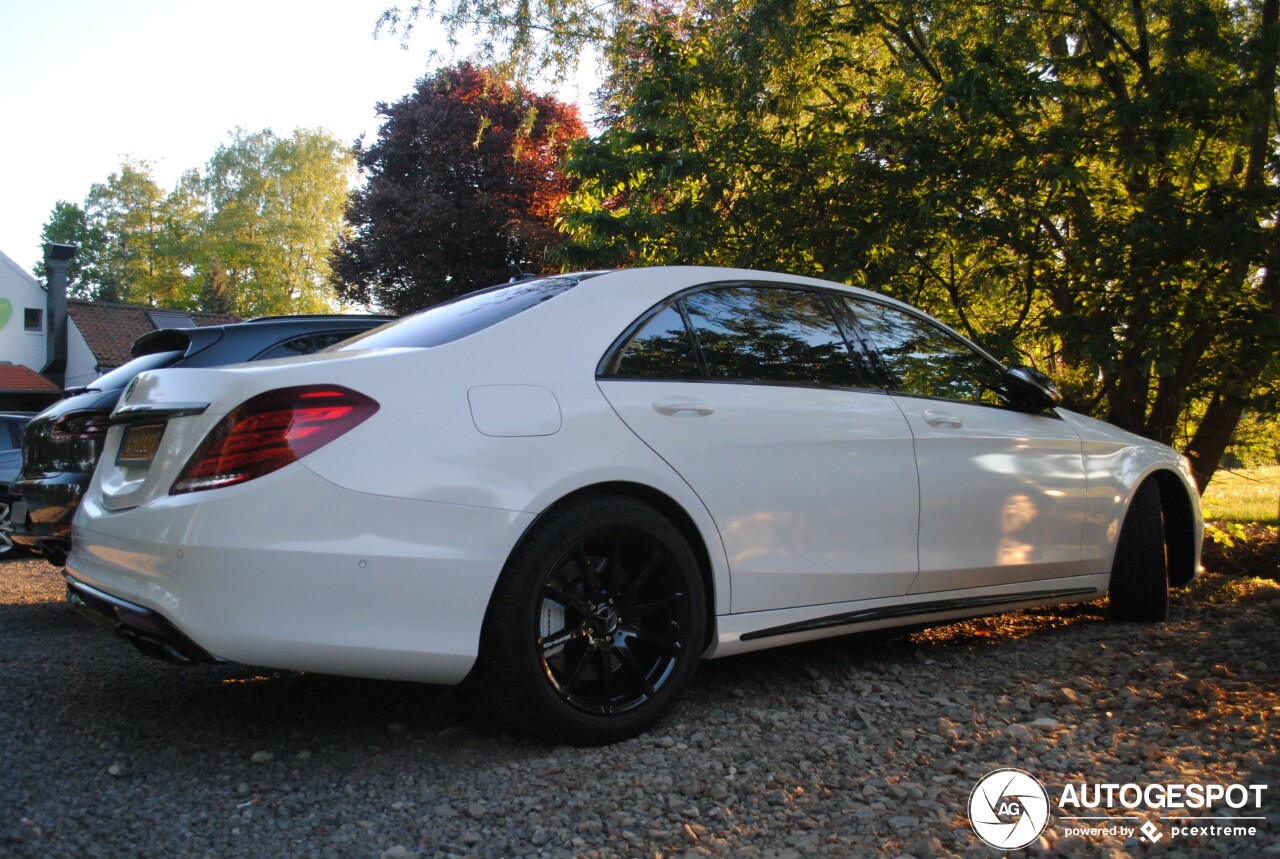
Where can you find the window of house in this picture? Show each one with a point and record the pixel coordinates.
(33, 319)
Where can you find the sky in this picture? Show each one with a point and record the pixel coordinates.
(85, 84)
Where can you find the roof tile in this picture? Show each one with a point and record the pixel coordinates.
(16, 379)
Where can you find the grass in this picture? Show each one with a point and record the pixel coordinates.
(1245, 496)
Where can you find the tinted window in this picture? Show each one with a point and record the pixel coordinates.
(762, 334)
(304, 345)
(925, 360)
(456, 319)
(11, 434)
(661, 349)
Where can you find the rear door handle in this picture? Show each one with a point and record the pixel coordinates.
(936, 418)
(686, 406)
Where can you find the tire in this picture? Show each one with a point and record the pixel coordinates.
(596, 623)
(1139, 587)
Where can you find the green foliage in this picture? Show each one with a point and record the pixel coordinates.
(276, 206)
(251, 236)
(66, 225)
(127, 253)
(1256, 442)
(1088, 187)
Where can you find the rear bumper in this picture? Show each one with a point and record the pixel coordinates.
(43, 510)
(292, 572)
(147, 630)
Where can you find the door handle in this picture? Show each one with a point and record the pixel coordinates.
(688, 406)
(936, 418)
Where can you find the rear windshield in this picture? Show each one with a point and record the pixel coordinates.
(122, 375)
(461, 317)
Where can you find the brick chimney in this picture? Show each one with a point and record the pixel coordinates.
(57, 262)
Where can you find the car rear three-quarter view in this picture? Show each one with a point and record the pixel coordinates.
(571, 489)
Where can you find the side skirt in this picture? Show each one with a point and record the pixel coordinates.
(905, 611)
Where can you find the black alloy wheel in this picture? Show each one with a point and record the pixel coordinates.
(597, 622)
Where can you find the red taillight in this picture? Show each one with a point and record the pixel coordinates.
(87, 425)
(269, 431)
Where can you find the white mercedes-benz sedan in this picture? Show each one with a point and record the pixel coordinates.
(571, 489)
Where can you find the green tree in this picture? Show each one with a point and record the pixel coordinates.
(66, 225)
(128, 254)
(251, 236)
(276, 205)
(1092, 186)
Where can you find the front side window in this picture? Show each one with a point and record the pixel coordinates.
(924, 360)
(766, 334)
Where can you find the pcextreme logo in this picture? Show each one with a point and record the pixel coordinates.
(1009, 808)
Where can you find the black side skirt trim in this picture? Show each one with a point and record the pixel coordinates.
(898, 611)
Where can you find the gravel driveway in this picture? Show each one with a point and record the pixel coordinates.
(857, 746)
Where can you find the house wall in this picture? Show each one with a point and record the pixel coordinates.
(19, 291)
(82, 366)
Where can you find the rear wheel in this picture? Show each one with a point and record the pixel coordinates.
(596, 623)
(7, 547)
(1140, 576)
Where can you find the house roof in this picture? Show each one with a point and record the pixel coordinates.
(19, 379)
(110, 329)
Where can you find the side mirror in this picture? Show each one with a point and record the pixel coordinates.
(1030, 390)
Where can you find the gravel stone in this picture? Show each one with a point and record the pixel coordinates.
(862, 746)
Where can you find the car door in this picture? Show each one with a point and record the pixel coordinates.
(752, 394)
(1002, 492)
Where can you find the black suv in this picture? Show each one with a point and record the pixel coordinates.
(61, 445)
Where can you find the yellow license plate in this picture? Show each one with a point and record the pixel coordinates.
(139, 445)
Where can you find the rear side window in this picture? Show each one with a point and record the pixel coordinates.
(11, 435)
(661, 349)
(304, 345)
(463, 316)
(743, 333)
(757, 334)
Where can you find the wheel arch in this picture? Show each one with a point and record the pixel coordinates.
(668, 507)
(1180, 526)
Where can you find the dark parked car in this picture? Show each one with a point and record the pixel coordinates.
(61, 445)
(11, 426)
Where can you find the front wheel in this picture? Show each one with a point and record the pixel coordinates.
(1140, 576)
(596, 623)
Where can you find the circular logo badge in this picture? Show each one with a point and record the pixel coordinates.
(1008, 808)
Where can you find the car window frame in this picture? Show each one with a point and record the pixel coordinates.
(855, 343)
(883, 367)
